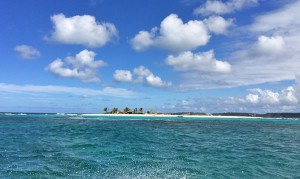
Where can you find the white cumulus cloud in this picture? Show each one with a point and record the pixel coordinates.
(218, 24)
(156, 81)
(142, 75)
(289, 95)
(270, 45)
(266, 97)
(123, 76)
(173, 35)
(83, 30)
(200, 62)
(266, 47)
(141, 72)
(27, 52)
(82, 66)
(213, 7)
(143, 40)
(272, 57)
(252, 98)
(261, 97)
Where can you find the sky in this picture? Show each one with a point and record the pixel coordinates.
(169, 56)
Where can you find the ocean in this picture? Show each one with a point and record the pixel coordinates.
(75, 146)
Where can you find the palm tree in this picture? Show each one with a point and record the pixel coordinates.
(105, 110)
(126, 110)
(114, 110)
(141, 110)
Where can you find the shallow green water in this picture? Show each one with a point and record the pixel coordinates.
(50, 146)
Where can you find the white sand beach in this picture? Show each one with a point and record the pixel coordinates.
(170, 115)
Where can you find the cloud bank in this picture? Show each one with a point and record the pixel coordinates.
(107, 91)
(257, 101)
(273, 56)
(267, 97)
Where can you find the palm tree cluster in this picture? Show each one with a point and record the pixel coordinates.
(126, 110)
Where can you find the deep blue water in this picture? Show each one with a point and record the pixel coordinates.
(60, 146)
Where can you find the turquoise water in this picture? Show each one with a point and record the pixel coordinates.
(61, 146)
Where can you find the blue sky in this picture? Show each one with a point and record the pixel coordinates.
(169, 56)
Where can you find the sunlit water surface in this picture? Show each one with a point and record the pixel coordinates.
(51, 146)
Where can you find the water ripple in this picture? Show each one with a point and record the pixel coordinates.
(67, 147)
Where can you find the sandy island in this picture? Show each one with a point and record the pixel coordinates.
(170, 115)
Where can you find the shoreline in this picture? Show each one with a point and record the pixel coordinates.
(170, 115)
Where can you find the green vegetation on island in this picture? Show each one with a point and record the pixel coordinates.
(126, 110)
